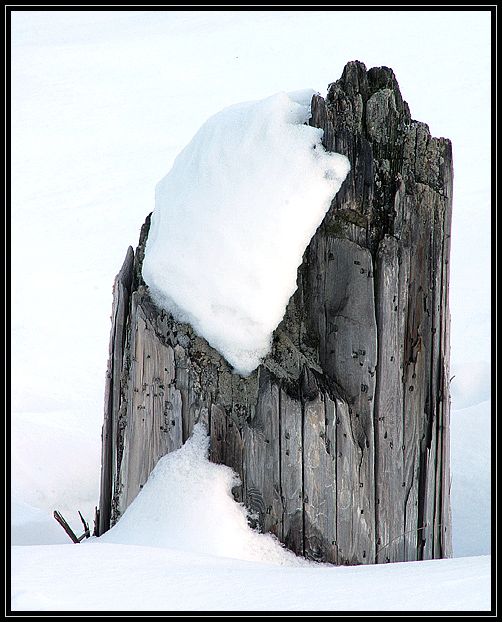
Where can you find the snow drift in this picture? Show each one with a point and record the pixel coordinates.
(471, 479)
(116, 577)
(187, 504)
(232, 219)
(55, 465)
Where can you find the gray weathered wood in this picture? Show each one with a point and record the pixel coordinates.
(291, 469)
(262, 477)
(341, 437)
(390, 494)
(153, 423)
(120, 312)
(319, 483)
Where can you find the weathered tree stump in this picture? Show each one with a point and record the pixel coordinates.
(341, 436)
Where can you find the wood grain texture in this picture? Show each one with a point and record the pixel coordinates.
(291, 456)
(319, 483)
(341, 437)
(120, 312)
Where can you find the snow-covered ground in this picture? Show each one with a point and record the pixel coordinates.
(471, 480)
(185, 544)
(100, 577)
(102, 104)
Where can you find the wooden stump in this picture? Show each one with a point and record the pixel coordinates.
(341, 436)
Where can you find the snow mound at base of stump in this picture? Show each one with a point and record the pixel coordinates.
(187, 504)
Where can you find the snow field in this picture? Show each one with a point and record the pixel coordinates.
(184, 545)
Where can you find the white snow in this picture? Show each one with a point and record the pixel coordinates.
(471, 479)
(233, 217)
(55, 466)
(187, 504)
(31, 525)
(184, 545)
(470, 384)
(97, 577)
